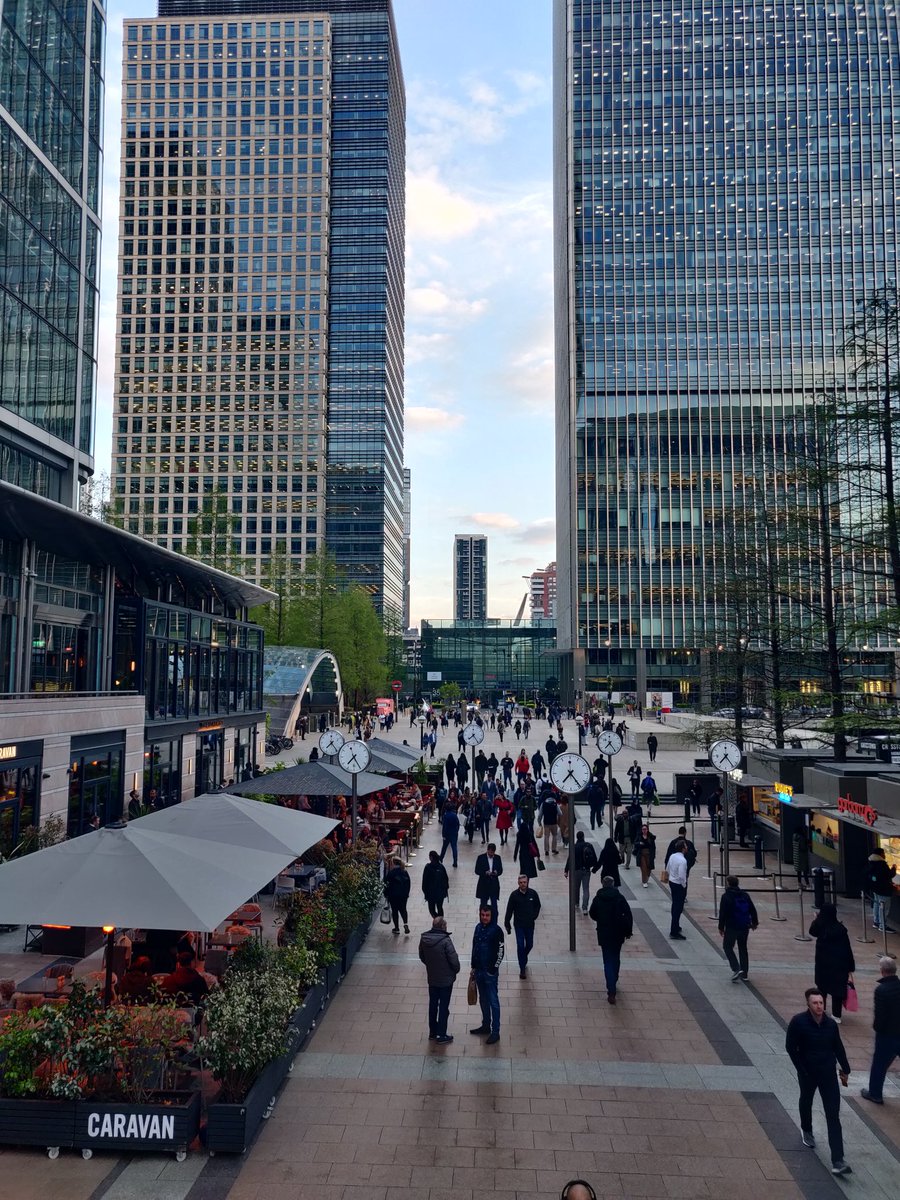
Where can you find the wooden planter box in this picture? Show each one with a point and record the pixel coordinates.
(169, 1122)
(304, 1018)
(231, 1128)
(49, 1123)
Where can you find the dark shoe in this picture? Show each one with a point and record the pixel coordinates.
(480, 1029)
(432, 1037)
(523, 974)
(808, 1140)
(736, 977)
(445, 1039)
(841, 1168)
(610, 997)
(677, 937)
(867, 1095)
(744, 976)
(455, 866)
(406, 929)
(397, 931)
(493, 1039)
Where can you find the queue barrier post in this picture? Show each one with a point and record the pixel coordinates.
(865, 919)
(778, 916)
(802, 936)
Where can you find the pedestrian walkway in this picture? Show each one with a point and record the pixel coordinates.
(682, 1089)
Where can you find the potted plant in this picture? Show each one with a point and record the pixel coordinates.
(248, 1044)
(35, 1109)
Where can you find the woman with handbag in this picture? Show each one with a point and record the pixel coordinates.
(834, 958)
(645, 854)
(525, 851)
(396, 891)
(610, 859)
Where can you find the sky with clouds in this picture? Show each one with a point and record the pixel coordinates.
(479, 285)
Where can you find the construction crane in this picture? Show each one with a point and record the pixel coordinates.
(519, 614)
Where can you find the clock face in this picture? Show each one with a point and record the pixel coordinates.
(473, 735)
(570, 773)
(609, 742)
(354, 756)
(331, 741)
(725, 755)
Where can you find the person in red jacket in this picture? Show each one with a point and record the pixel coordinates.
(505, 813)
(523, 766)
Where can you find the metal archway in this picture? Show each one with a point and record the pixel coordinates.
(292, 672)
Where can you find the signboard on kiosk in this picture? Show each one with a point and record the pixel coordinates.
(860, 812)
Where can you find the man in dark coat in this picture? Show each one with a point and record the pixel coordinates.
(537, 764)
(450, 832)
(652, 744)
(488, 868)
(887, 1029)
(612, 915)
(814, 1044)
(435, 884)
(488, 948)
(522, 910)
(437, 952)
(737, 916)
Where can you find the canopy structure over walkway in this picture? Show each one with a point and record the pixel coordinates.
(300, 680)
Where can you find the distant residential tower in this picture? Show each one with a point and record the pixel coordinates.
(470, 577)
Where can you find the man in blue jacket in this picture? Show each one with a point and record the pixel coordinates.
(488, 948)
(450, 832)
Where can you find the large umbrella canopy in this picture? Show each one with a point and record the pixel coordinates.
(311, 779)
(388, 765)
(134, 875)
(236, 821)
(404, 753)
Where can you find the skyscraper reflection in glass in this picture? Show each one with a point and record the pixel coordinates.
(725, 197)
(51, 104)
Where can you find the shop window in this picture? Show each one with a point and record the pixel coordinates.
(95, 784)
(19, 804)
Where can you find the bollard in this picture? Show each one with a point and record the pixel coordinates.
(708, 874)
(802, 936)
(865, 920)
(714, 915)
(778, 916)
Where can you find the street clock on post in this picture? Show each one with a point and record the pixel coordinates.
(354, 756)
(725, 756)
(331, 741)
(473, 735)
(608, 742)
(570, 773)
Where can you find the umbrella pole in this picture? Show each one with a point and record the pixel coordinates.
(110, 931)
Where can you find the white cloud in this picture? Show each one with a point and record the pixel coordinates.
(436, 301)
(538, 532)
(435, 212)
(422, 347)
(492, 520)
(424, 419)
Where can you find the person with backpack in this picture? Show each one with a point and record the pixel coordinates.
(737, 916)
(690, 850)
(648, 787)
(583, 860)
(550, 821)
(610, 912)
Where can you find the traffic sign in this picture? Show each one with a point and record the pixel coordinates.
(396, 686)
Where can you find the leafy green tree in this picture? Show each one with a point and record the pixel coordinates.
(450, 692)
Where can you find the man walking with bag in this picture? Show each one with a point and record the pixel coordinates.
(522, 910)
(437, 952)
(737, 916)
(488, 948)
(550, 820)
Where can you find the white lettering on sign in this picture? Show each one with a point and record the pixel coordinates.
(148, 1126)
(8, 751)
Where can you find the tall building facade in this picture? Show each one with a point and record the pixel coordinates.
(725, 197)
(542, 593)
(260, 368)
(51, 106)
(407, 544)
(470, 577)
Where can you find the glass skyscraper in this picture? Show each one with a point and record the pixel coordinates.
(725, 197)
(51, 105)
(261, 282)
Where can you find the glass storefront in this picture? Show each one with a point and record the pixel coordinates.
(95, 782)
(245, 753)
(162, 773)
(489, 659)
(20, 790)
(891, 848)
(210, 760)
(767, 806)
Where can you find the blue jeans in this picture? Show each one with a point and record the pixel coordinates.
(879, 904)
(451, 843)
(887, 1048)
(612, 958)
(524, 943)
(438, 1010)
(489, 999)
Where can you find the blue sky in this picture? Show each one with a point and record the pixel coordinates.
(479, 285)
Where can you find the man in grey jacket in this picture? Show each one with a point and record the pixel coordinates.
(437, 952)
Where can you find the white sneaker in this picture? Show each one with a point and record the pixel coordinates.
(645, 885)
(837, 1020)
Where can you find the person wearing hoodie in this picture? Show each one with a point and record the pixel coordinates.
(609, 861)
(834, 958)
(435, 884)
(396, 891)
(612, 915)
(437, 952)
(880, 886)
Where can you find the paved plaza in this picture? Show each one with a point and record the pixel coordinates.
(683, 1089)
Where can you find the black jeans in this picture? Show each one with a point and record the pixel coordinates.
(830, 1091)
(679, 895)
(438, 1010)
(436, 907)
(736, 937)
(398, 909)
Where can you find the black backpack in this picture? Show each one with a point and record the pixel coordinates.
(588, 857)
(550, 812)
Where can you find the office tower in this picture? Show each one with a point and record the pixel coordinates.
(470, 577)
(542, 593)
(51, 105)
(261, 281)
(725, 197)
(407, 544)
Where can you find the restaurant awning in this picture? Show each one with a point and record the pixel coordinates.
(312, 779)
(884, 826)
(801, 800)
